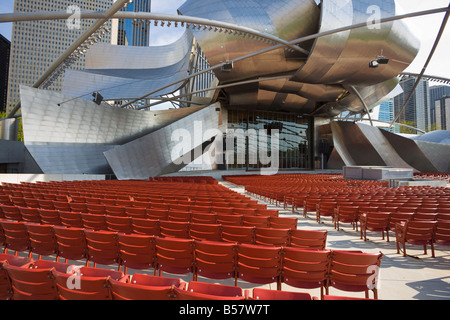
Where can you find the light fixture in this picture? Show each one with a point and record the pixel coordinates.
(97, 98)
(227, 67)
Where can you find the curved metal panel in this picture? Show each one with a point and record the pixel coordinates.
(344, 57)
(121, 72)
(286, 19)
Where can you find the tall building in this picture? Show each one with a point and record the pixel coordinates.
(5, 48)
(417, 111)
(438, 98)
(442, 114)
(135, 32)
(35, 45)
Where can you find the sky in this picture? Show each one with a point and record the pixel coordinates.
(425, 28)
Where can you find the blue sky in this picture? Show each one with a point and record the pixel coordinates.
(425, 28)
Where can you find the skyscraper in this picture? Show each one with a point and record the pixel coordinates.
(5, 48)
(35, 45)
(417, 110)
(134, 32)
(439, 99)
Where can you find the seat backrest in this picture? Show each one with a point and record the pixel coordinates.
(136, 251)
(266, 294)
(308, 239)
(145, 226)
(200, 231)
(102, 246)
(174, 255)
(215, 260)
(129, 291)
(239, 234)
(272, 236)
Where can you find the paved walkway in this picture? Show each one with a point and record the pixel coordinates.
(414, 277)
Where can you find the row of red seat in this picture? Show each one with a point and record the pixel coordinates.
(343, 270)
(50, 240)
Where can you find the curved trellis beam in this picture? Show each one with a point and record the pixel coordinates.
(184, 21)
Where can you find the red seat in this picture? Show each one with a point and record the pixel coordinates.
(70, 219)
(325, 209)
(145, 226)
(85, 283)
(272, 237)
(238, 234)
(145, 287)
(16, 236)
(174, 255)
(94, 221)
(354, 272)
(6, 292)
(71, 243)
(11, 212)
(347, 214)
(229, 219)
(308, 239)
(48, 216)
(157, 214)
(259, 264)
(266, 294)
(181, 216)
(30, 215)
(283, 223)
(199, 231)
(415, 233)
(442, 233)
(136, 251)
(102, 247)
(209, 291)
(118, 224)
(113, 210)
(34, 281)
(42, 239)
(174, 229)
(78, 207)
(256, 221)
(215, 260)
(305, 269)
(376, 222)
(203, 218)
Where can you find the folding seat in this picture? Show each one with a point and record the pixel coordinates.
(135, 212)
(102, 247)
(283, 223)
(425, 216)
(354, 272)
(415, 233)
(376, 222)
(18, 201)
(145, 226)
(256, 221)
(123, 203)
(159, 206)
(398, 217)
(181, 216)
(145, 287)
(325, 208)
(222, 210)
(46, 204)
(428, 209)
(35, 281)
(30, 214)
(16, 236)
(78, 207)
(94, 199)
(157, 214)
(140, 204)
(238, 234)
(347, 215)
(48, 216)
(272, 237)
(71, 243)
(94, 221)
(230, 219)
(310, 205)
(136, 251)
(173, 255)
(31, 202)
(210, 291)
(215, 260)
(203, 218)
(442, 233)
(259, 264)
(85, 283)
(110, 202)
(245, 211)
(180, 207)
(118, 224)
(5, 200)
(305, 269)
(200, 231)
(70, 219)
(6, 292)
(266, 294)
(95, 208)
(11, 212)
(308, 239)
(219, 204)
(174, 229)
(61, 206)
(197, 208)
(407, 209)
(42, 239)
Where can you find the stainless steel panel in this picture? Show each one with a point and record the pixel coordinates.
(151, 155)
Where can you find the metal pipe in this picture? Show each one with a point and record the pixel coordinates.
(430, 56)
